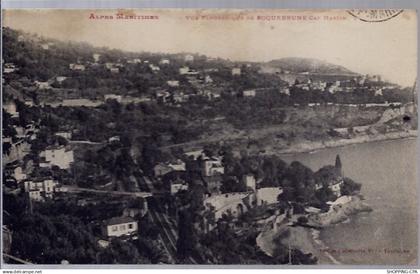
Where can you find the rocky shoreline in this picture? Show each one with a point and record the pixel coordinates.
(339, 211)
(306, 237)
(308, 147)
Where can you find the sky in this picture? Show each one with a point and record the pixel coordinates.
(386, 48)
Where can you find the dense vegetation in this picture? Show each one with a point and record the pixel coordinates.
(48, 233)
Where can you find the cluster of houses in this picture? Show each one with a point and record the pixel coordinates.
(200, 82)
(18, 145)
(174, 91)
(173, 176)
(368, 82)
(17, 180)
(20, 178)
(18, 167)
(173, 173)
(171, 93)
(237, 203)
(305, 83)
(40, 189)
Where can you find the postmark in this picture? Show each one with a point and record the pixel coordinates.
(374, 15)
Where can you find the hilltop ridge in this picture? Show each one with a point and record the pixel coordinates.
(308, 65)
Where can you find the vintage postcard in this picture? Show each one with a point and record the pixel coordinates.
(209, 137)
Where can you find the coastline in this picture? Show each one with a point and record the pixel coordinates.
(339, 211)
(298, 146)
(311, 147)
(302, 238)
(324, 257)
(306, 238)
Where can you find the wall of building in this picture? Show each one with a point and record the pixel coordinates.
(235, 203)
(118, 230)
(249, 181)
(59, 157)
(178, 187)
(268, 195)
(212, 167)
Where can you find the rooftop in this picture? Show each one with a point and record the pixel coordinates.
(119, 220)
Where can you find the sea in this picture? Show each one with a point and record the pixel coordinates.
(387, 171)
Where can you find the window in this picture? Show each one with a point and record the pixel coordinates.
(114, 228)
(130, 226)
(122, 227)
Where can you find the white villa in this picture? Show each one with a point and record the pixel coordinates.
(119, 226)
(58, 156)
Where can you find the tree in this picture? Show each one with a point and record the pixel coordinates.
(121, 252)
(350, 187)
(8, 130)
(151, 250)
(44, 239)
(186, 236)
(229, 184)
(151, 156)
(338, 165)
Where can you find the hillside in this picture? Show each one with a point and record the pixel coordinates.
(300, 65)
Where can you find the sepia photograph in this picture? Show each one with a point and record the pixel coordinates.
(204, 137)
